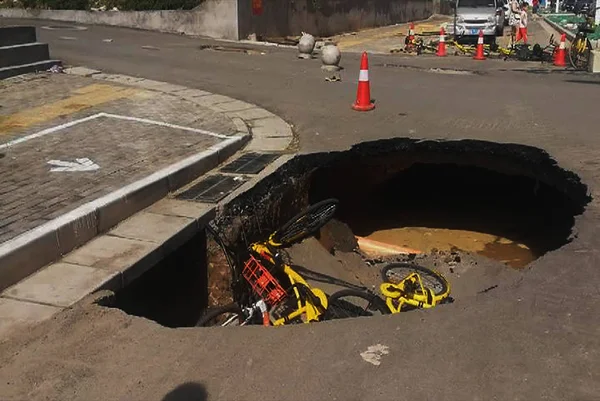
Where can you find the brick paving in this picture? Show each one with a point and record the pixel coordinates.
(126, 151)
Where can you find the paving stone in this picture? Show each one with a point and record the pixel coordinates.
(236, 105)
(191, 93)
(110, 253)
(211, 100)
(268, 144)
(151, 227)
(60, 284)
(241, 126)
(158, 86)
(270, 132)
(16, 315)
(174, 207)
(81, 71)
(121, 79)
(275, 125)
(251, 114)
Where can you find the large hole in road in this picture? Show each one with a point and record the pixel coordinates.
(506, 203)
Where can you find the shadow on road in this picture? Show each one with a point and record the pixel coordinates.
(189, 391)
(582, 81)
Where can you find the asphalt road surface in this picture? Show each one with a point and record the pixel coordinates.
(534, 338)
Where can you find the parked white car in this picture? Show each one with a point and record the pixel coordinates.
(474, 15)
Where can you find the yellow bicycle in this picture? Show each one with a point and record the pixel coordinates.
(267, 290)
(581, 48)
(406, 286)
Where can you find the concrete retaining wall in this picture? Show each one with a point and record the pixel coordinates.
(327, 17)
(213, 18)
(234, 19)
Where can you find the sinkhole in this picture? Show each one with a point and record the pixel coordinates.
(507, 203)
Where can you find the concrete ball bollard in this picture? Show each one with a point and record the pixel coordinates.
(306, 45)
(330, 56)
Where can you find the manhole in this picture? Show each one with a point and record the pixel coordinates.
(448, 71)
(213, 188)
(250, 163)
(64, 28)
(231, 49)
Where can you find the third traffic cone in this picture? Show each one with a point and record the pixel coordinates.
(441, 51)
(363, 95)
(479, 53)
(411, 32)
(559, 60)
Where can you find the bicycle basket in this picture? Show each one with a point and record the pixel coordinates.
(262, 282)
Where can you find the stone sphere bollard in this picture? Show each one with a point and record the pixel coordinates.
(331, 56)
(306, 45)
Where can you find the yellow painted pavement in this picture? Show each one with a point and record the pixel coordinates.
(82, 98)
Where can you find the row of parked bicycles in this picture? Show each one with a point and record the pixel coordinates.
(579, 50)
(268, 290)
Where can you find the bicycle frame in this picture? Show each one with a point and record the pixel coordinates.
(311, 309)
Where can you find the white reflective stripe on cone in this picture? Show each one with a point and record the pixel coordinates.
(363, 76)
(442, 39)
(480, 40)
(562, 45)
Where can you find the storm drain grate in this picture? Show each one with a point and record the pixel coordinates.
(250, 163)
(213, 188)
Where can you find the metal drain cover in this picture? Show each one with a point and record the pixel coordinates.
(213, 188)
(250, 163)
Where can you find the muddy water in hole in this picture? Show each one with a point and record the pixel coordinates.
(425, 239)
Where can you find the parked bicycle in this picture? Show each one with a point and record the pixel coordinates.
(267, 290)
(581, 48)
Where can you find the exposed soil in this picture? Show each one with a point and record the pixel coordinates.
(219, 276)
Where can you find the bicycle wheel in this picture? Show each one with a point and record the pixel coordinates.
(396, 272)
(579, 53)
(229, 315)
(305, 224)
(354, 303)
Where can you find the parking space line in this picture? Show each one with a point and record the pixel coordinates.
(84, 98)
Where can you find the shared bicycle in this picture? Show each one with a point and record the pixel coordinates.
(266, 289)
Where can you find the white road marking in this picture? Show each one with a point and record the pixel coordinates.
(83, 164)
(374, 352)
(163, 124)
(60, 127)
(47, 131)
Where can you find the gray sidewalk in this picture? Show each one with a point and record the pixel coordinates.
(84, 151)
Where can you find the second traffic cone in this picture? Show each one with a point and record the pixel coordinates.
(363, 95)
(479, 53)
(441, 51)
(559, 60)
(411, 32)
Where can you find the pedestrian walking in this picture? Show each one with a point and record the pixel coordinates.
(514, 18)
(536, 6)
(522, 32)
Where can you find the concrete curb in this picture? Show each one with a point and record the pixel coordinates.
(155, 224)
(559, 28)
(34, 249)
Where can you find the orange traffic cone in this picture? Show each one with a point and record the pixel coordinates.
(363, 95)
(559, 60)
(441, 51)
(411, 32)
(479, 53)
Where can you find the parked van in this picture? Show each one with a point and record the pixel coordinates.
(475, 15)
